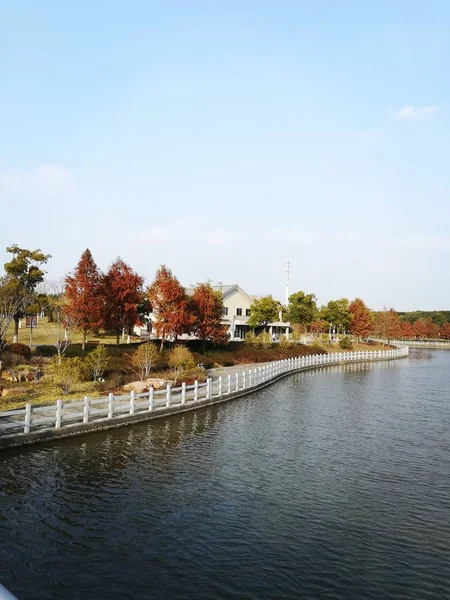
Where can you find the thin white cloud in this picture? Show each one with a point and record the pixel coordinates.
(420, 241)
(187, 229)
(295, 236)
(46, 180)
(415, 112)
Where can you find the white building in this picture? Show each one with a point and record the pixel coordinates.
(236, 312)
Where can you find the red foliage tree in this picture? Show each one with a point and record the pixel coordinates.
(425, 328)
(445, 331)
(361, 321)
(83, 292)
(122, 289)
(407, 330)
(167, 296)
(207, 305)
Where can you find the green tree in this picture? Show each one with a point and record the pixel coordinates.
(65, 374)
(338, 313)
(302, 309)
(23, 274)
(263, 311)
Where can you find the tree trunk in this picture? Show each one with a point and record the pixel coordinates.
(118, 336)
(83, 344)
(162, 343)
(16, 329)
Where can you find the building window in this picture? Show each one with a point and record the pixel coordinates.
(224, 311)
(239, 312)
(247, 312)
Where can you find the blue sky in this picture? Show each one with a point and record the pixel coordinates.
(220, 138)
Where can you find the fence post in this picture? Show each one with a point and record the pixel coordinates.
(209, 388)
(237, 382)
(229, 383)
(183, 393)
(243, 379)
(58, 413)
(150, 398)
(110, 406)
(220, 386)
(132, 401)
(195, 390)
(27, 425)
(86, 410)
(260, 377)
(168, 390)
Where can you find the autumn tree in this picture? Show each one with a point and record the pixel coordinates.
(388, 325)
(361, 322)
(169, 302)
(83, 303)
(144, 359)
(445, 331)
(302, 309)
(23, 273)
(122, 292)
(180, 361)
(406, 329)
(263, 311)
(207, 307)
(425, 328)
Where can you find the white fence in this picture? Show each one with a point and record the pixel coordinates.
(63, 414)
(417, 343)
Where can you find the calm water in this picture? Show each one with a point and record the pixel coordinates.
(333, 484)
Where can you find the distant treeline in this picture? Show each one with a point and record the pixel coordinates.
(439, 317)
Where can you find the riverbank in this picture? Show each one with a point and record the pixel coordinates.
(34, 425)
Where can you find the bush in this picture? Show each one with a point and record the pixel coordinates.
(96, 362)
(345, 343)
(46, 351)
(284, 342)
(181, 361)
(265, 339)
(20, 350)
(65, 374)
(144, 359)
(252, 340)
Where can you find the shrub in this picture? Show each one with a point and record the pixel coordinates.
(181, 361)
(252, 340)
(265, 339)
(20, 350)
(144, 359)
(47, 351)
(65, 374)
(345, 343)
(96, 362)
(284, 342)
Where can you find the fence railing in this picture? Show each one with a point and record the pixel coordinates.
(417, 343)
(62, 414)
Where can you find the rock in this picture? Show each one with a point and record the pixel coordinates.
(143, 386)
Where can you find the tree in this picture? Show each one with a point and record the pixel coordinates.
(83, 303)
(337, 313)
(207, 307)
(170, 305)
(143, 359)
(425, 328)
(23, 274)
(97, 361)
(302, 309)
(361, 321)
(445, 330)
(388, 325)
(122, 291)
(263, 311)
(406, 329)
(180, 361)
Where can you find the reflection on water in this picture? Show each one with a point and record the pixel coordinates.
(331, 483)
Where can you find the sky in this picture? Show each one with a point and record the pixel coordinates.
(220, 138)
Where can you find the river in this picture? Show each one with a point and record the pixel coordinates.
(329, 484)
